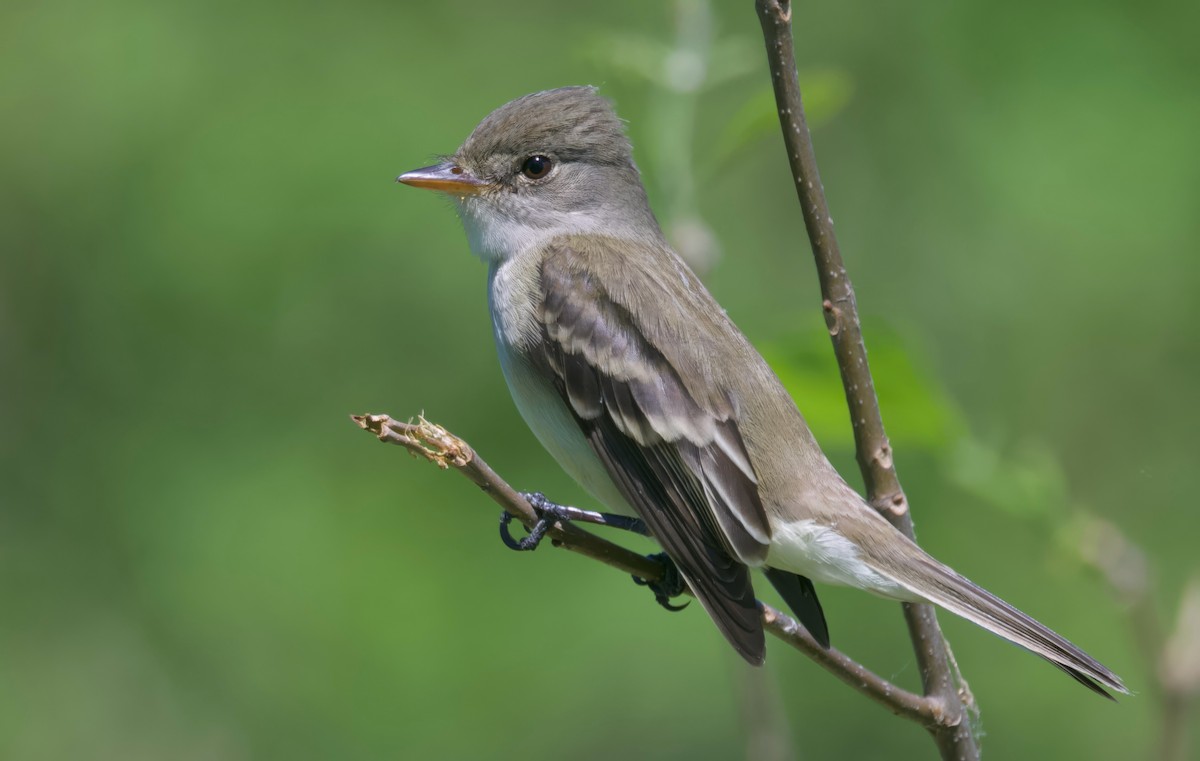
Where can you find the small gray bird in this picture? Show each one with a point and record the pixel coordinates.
(635, 380)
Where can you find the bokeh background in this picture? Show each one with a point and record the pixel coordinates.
(206, 267)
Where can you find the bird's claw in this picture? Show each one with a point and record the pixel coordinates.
(548, 514)
(670, 585)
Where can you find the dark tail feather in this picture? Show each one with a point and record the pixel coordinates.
(734, 610)
(942, 586)
(1090, 683)
(797, 591)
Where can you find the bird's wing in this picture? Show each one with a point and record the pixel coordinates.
(677, 459)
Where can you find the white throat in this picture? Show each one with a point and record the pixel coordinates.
(495, 237)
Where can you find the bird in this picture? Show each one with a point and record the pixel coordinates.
(641, 387)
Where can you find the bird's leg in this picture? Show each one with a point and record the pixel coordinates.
(550, 513)
(670, 585)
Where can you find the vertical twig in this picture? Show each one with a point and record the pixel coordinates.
(953, 735)
(768, 730)
(687, 69)
(1178, 672)
(1173, 659)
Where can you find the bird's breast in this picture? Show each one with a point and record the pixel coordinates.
(518, 335)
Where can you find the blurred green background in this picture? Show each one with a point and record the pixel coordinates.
(206, 267)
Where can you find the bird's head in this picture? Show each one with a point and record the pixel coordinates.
(554, 162)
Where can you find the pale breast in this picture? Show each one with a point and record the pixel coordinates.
(516, 328)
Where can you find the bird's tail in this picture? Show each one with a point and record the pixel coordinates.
(942, 586)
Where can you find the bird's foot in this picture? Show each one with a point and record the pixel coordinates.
(550, 513)
(670, 585)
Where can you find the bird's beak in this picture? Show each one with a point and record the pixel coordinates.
(447, 177)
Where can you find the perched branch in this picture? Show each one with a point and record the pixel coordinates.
(447, 451)
(938, 675)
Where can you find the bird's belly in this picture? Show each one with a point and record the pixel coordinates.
(555, 427)
(822, 554)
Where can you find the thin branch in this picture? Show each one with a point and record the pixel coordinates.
(939, 677)
(447, 451)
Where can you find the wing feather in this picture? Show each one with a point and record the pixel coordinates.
(680, 462)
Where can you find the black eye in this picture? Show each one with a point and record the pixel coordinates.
(536, 167)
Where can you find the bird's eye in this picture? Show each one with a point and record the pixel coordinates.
(536, 167)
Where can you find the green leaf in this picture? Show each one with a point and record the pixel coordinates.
(826, 93)
(916, 409)
(1028, 481)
